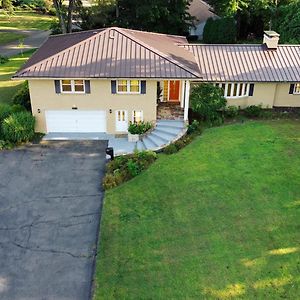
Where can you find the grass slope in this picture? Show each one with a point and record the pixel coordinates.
(218, 220)
(9, 87)
(25, 20)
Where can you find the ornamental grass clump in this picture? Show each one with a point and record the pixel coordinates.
(18, 127)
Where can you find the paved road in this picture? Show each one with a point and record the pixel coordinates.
(33, 39)
(50, 203)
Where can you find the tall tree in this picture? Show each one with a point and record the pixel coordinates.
(167, 16)
(58, 4)
(65, 13)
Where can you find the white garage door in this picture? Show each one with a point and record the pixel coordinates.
(76, 121)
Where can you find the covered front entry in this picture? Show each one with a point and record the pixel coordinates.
(76, 121)
(173, 99)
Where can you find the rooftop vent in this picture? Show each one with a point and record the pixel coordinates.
(271, 39)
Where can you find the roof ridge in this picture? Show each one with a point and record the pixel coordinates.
(145, 45)
(237, 45)
(68, 48)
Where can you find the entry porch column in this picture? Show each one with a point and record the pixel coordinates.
(186, 100)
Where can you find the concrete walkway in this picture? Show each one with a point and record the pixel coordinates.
(33, 39)
(165, 132)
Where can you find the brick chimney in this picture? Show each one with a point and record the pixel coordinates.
(271, 39)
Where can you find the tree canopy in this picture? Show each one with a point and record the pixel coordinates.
(166, 16)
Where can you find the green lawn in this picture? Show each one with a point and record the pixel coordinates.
(9, 87)
(218, 220)
(25, 20)
(7, 37)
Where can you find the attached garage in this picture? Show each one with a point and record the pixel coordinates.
(76, 121)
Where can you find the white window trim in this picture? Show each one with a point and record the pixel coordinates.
(294, 91)
(128, 87)
(72, 87)
(142, 115)
(244, 86)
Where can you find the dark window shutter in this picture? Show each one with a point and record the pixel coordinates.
(113, 86)
(292, 87)
(87, 84)
(57, 86)
(143, 87)
(251, 90)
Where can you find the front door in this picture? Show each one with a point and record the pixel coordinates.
(174, 90)
(121, 120)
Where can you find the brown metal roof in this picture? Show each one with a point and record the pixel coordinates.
(111, 53)
(247, 63)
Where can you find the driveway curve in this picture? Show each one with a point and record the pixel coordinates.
(50, 206)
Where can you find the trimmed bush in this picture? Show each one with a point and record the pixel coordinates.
(208, 101)
(231, 112)
(253, 111)
(123, 168)
(22, 97)
(18, 127)
(220, 31)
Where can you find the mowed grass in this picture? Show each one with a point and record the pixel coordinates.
(9, 87)
(7, 37)
(218, 220)
(25, 20)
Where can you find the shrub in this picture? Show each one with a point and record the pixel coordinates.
(170, 149)
(220, 31)
(124, 168)
(231, 112)
(194, 127)
(17, 108)
(207, 101)
(5, 111)
(133, 168)
(3, 59)
(139, 128)
(22, 97)
(253, 111)
(18, 127)
(181, 143)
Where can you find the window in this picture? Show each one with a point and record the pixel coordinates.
(137, 116)
(297, 88)
(129, 86)
(72, 86)
(236, 90)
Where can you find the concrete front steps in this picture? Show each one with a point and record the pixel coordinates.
(165, 132)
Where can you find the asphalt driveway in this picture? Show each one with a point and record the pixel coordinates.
(50, 203)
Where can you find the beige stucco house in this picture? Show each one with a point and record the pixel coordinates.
(100, 80)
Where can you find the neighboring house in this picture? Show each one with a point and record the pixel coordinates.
(201, 11)
(100, 80)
